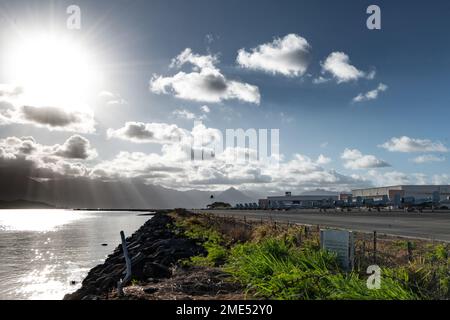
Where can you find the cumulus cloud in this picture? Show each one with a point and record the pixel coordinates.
(300, 172)
(441, 179)
(320, 80)
(110, 98)
(338, 65)
(427, 158)
(8, 90)
(205, 109)
(52, 118)
(188, 115)
(354, 160)
(407, 144)
(59, 118)
(288, 56)
(174, 166)
(183, 113)
(392, 178)
(205, 83)
(76, 147)
(322, 160)
(25, 155)
(370, 95)
(148, 132)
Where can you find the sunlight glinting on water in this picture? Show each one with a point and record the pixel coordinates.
(45, 254)
(37, 220)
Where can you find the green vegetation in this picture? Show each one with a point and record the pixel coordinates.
(278, 270)
(211, 240)
(287, 263)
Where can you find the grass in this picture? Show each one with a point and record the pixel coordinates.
(277, 269)
(280, 262)
(211, 239)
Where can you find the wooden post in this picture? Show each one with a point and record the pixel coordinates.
(127, 278)
(375, 247)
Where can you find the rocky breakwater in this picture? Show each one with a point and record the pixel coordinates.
(153, 249)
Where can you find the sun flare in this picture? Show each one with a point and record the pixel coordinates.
(53, 70)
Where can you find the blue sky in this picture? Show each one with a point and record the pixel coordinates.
(133, 42)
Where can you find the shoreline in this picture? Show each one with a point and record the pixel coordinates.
(181, 255)
(156, 250)
(152, 248)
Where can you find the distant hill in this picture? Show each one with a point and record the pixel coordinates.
(234, 196)
(24, 204)
(119, 194)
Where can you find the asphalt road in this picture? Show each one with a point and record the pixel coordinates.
(435, 226)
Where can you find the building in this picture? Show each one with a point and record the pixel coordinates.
(289, 200)
(404, 191)
(345, 196)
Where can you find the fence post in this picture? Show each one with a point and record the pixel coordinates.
(127, 278)
(374, 247)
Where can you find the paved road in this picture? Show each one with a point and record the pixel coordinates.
(416, 225)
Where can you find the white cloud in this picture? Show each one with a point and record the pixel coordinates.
(76, 147)
(354, 160)
(288, 56)
(205, 83)
(110, 98)
(54, 118)
(183, 113)
(322, 160)
(338, 65)
(441, 179)
(320, 80)
(205, 109)
(8, 90)
(26, 155)
(167, 170)
(392, 178)
(188, 115)
(427, 158)
(407, 144)
(370, 95)
(148, 132)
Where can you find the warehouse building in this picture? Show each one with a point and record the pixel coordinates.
(289, 200)
(404, 191)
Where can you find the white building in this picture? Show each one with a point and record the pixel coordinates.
(416, 191)
(300, 200)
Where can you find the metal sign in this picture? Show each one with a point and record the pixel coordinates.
(341, 243)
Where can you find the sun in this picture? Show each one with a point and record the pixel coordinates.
(54, 70)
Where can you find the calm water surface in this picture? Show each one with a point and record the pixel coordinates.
(43, 251)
